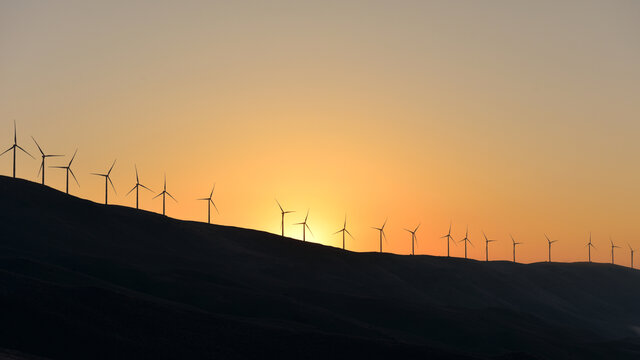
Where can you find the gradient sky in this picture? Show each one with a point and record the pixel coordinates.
(509, 116)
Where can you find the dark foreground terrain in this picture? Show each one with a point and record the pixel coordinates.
(79, 280)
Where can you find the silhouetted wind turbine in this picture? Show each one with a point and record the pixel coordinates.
(590, 245)
(305, 227)
(486, 246)
(283, 214)
(44, 156)
(514, 247)
(613, 246)
(466, 240)
(343, 231)
(550, 243)
(68, 170)
(107, 181)
(632, 250)
(414, 239)
(137, 187)
(382, 234)
(209, 201)
(14, 147)
(164, 194)
(449, 239)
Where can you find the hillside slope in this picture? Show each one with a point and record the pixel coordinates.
(84, 280)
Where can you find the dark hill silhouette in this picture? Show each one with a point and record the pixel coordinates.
(83, 280)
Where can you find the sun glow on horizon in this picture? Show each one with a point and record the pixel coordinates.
(482, 115)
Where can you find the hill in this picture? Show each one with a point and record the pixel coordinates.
(83, 280)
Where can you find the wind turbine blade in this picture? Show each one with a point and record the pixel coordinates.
(204, 199)
(212, 189)
(136, 167)
(280, 206)
(53, 155)
(130, 191)
(308, 228)
(385, 223)
(6, 151)
(41, 168)
(158, 195)
(57, 167)
(96, 174)
(174, 199)
(111, 182)
(545, 235)
(73, 157)
(307, 216)
(144, 187)
(417, 227)
(74, 176)
(25, 151)
(349, 233)
(111, 168)
(214, 206)
(39, 148)
(337, 232)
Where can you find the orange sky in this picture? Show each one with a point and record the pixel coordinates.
(508, 118)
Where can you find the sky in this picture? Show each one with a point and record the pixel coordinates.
(508, 117)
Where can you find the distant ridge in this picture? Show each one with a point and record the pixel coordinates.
(83, 280)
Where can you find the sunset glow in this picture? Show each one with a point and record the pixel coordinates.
(503, 117)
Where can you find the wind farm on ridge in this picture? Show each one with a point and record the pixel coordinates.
(304, 224)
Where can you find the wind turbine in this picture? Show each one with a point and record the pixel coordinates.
(44, 156)
(137, 187)
(414, 239)
(466, 240)
(164, 194)
(343, 231)
(382, 234)
(486, 246)
(514, 247)
(107, 181)
(449, 239)
(632, 250)
(305, 227)
(550, 243)
(590, 245)
(209, 201)
(613, 246)
(283, 213)
(14, 147)
(68, 170)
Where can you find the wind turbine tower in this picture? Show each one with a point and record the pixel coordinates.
(107, 181)
(382, 234)
(68, 170)
(414, 239)
(44, 156)
(137, 187)
(210, 202)
(486, 246)
(449, 239)
(14, 147)
(305, 227)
